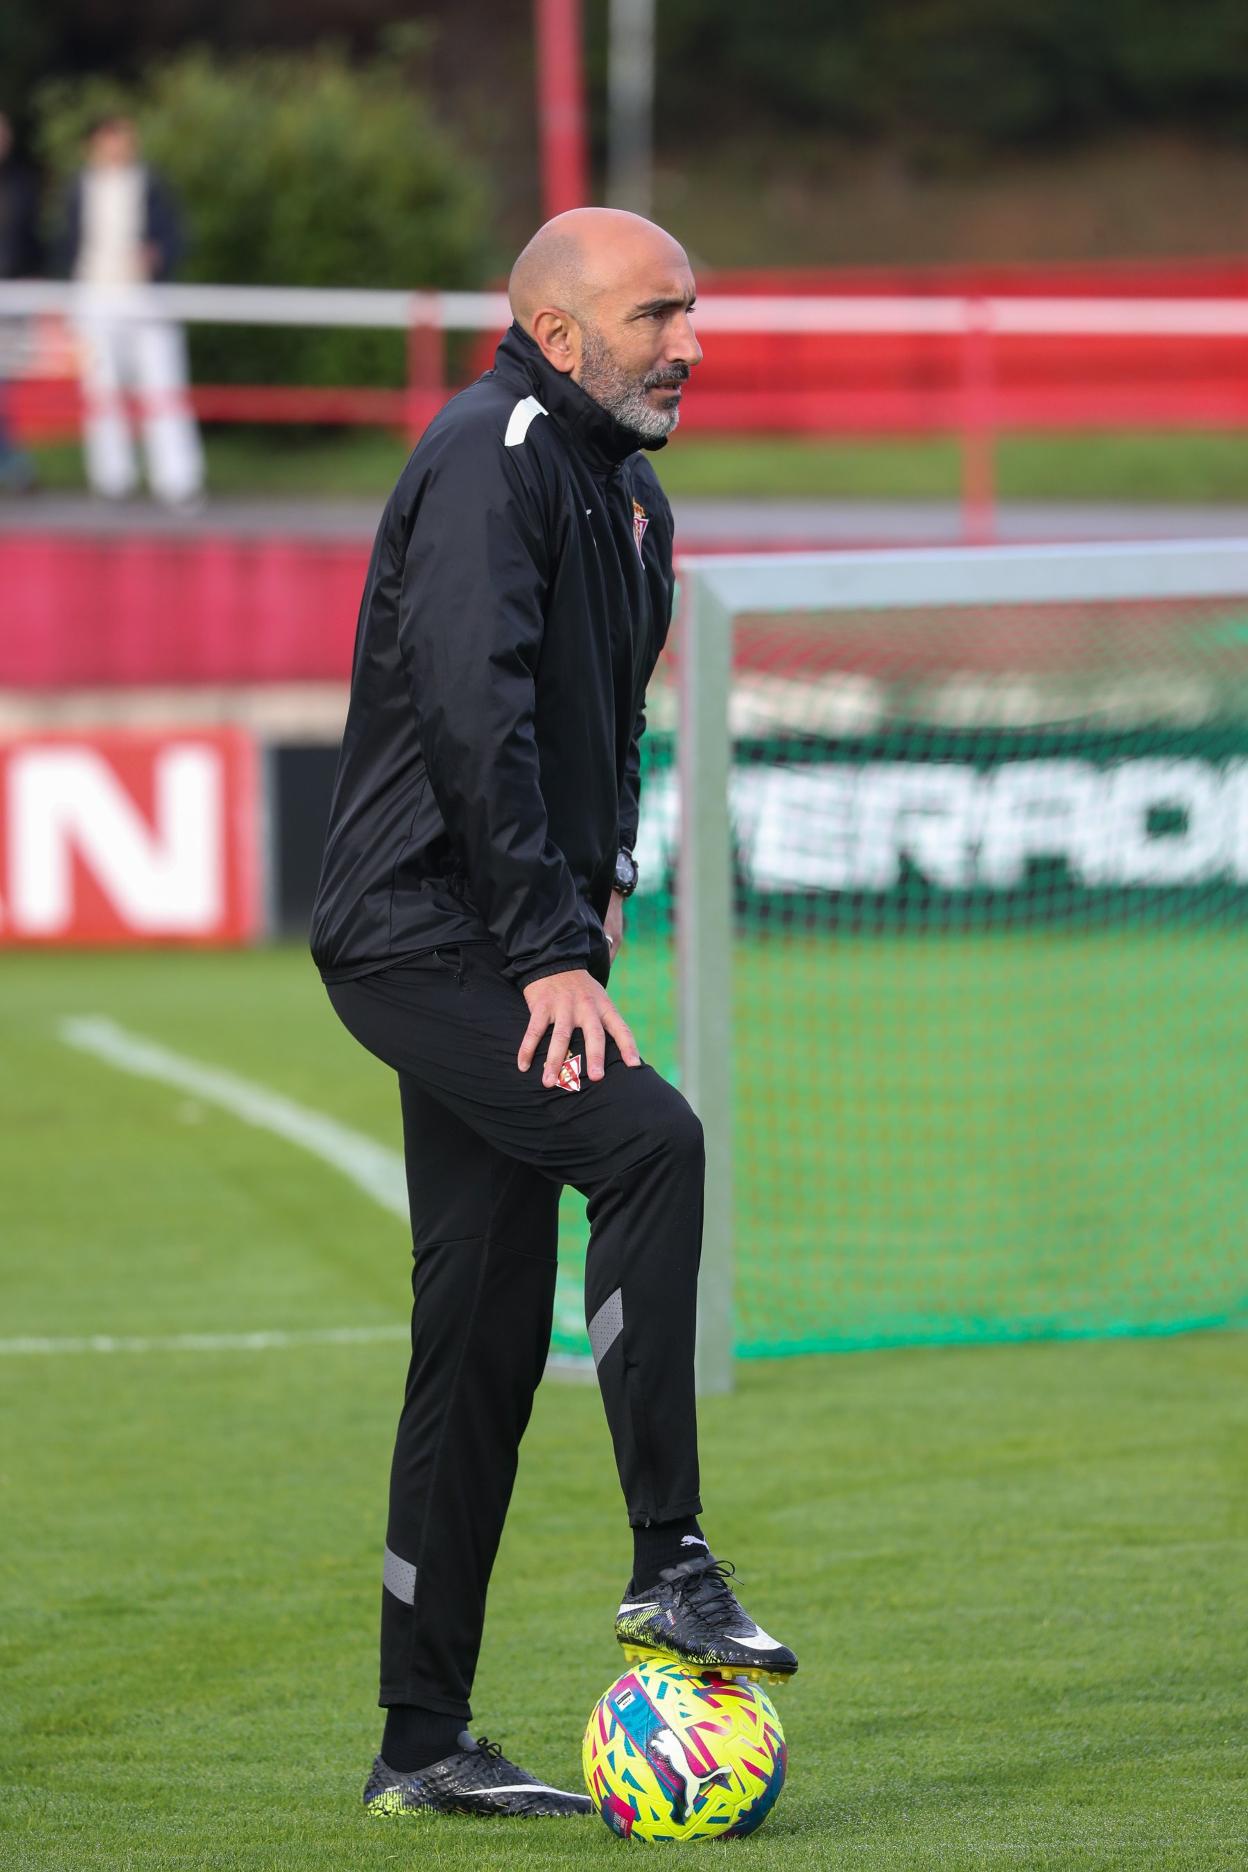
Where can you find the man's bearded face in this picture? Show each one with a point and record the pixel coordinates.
(647, 401)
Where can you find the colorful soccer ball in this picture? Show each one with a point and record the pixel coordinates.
(670, 1755)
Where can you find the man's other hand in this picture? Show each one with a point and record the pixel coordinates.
(613, 924)
(564, 1003)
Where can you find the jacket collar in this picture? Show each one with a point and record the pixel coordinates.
(594, 432)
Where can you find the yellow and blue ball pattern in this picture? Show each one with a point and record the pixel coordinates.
(672, 1755)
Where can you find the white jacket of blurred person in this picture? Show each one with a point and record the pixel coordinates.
(126, 346)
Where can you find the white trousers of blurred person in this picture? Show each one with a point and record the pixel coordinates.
(147, 357)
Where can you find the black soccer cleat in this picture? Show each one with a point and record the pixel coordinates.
(694, 1616)
(477, 1779)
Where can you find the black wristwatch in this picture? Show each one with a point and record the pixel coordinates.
(625, 873)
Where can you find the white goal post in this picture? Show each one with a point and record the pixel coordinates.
(716, 592)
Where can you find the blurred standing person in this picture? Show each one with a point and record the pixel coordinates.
(19, 259)
(123, 229)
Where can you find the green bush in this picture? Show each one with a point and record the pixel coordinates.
(294, 169)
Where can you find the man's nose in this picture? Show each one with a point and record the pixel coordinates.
(682, 344)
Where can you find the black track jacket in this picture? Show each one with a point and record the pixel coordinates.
(518, 597)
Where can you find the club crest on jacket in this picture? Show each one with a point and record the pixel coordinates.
(641, 521)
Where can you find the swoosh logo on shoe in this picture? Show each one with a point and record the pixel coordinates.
(760, 1641)
(525, 1787)
(643, 1605)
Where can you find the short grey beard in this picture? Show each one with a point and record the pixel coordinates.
(621, 396)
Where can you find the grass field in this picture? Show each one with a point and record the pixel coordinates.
(1015, 1573)
(984, 1136)
(1146, 467)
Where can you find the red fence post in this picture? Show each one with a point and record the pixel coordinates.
(978, 430)
(560, 105)
(426, 365)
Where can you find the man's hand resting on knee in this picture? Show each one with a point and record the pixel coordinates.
(566, 1002)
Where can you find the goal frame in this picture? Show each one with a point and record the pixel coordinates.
(716, 591)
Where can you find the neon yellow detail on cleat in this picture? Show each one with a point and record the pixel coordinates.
(641, 1654)
(391, 1801)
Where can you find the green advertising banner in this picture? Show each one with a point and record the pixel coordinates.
(917, 825)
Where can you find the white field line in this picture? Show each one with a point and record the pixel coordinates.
(372, 1167)
(201, 1342)
(562, 1364)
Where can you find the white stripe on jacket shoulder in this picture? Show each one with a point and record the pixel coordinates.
(518, 424)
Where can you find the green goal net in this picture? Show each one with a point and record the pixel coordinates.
(956, 844)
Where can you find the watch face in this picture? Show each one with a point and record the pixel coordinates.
(625, 874)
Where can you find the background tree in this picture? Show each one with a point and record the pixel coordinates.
(293, 169)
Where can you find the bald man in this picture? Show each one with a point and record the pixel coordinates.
(477, 860)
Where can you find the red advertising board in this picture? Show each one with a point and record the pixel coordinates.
(125, 837)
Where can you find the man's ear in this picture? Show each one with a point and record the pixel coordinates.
(558, 337)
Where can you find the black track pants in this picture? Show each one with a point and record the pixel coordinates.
(488, 1149)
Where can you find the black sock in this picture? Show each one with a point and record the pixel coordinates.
(665, 1544)
(414, 1737)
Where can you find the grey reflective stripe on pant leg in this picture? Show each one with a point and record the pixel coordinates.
(606, 1326)
(399, 1577)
